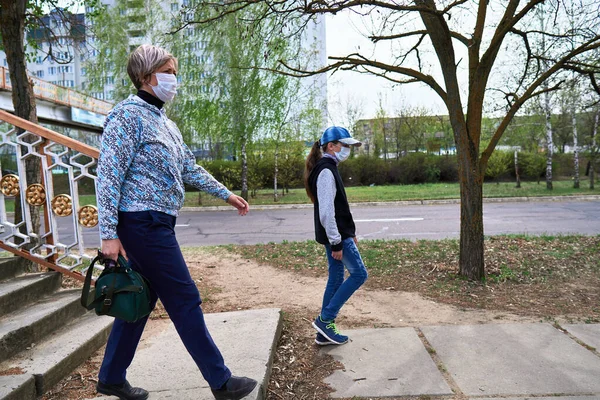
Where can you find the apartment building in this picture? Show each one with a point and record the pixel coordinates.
(65, 43)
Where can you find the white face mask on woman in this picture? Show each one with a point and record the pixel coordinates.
(343, 154)
(166, 87)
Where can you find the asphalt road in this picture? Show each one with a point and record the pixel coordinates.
(435, 221)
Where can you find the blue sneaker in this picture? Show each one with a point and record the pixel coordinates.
(329, 331)
(322, 340)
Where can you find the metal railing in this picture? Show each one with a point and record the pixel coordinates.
(67, 167)
(59, 95)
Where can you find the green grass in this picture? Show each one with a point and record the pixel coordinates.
(430, 191)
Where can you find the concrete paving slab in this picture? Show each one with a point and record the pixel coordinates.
(247, 340)
(384, 363)
(515, 359)
(544, 398)
(587, 333)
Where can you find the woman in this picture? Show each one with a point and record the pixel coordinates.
(334, 228)
(142, 169)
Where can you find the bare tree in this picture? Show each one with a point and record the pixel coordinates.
(380, 130)
(350, 111)
(415, 120)
(468, 39)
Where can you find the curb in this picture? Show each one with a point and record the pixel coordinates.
(404, 203)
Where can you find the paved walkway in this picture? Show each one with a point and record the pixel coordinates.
(479, 361)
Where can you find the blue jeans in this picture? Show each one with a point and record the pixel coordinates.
(149, 240)
(338, 290)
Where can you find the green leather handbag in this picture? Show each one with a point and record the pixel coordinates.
(120, 292)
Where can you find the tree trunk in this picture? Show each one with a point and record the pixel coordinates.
(471, 219)
(549, 141)
(517, 169)
(275, 173)
(575, 151)
(471, 260)
(244, 193)
(12, 28)
(594, 150)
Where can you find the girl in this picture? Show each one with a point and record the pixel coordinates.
(334, 228)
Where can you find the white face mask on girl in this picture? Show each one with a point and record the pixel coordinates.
(166, 87)
(343, 154)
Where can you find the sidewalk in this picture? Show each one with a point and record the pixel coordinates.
(477, 361)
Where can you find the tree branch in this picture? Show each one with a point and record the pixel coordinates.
(591, 44)
(464, 40)
(355, 60)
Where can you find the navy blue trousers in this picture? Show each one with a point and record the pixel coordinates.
(152, 249)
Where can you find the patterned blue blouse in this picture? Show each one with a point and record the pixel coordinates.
(143, 165)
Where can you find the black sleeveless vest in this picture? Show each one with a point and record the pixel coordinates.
(343, 217)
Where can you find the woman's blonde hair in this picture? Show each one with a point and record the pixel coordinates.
(144, 61)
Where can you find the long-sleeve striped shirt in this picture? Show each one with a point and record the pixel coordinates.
(144, 164)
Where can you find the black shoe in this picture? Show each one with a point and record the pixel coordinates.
(235, 388)
(124, 391)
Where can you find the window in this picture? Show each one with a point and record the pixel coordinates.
(83, 71)
(63, 55)
(65, 83)
(109, 80)
(137, 18)
(174, 6)
(136, 34)
(51, 70)
(39, 74)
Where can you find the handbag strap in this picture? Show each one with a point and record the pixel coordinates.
(87, 298)
(85, 293)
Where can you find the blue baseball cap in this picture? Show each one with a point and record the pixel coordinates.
(334, 133)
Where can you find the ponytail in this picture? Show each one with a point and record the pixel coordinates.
(314, 156)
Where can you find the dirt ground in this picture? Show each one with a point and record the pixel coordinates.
(243, 284)
(229, 282)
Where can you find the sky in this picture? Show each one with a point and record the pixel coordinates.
(344, 37)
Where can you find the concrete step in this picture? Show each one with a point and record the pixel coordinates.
(247, 339)
(17, 387)
(59, 353)
(11, 267)
(25, 327)
(23, 290)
